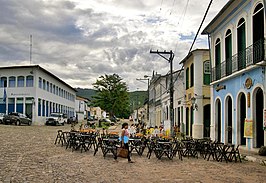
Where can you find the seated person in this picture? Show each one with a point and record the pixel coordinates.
(156, 132)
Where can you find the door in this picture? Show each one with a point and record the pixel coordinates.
(229, 119)
(242, 117)
(206, 118)
(259, 118)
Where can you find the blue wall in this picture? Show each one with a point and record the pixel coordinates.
(233, 87)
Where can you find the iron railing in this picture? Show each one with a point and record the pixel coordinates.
(250, 56)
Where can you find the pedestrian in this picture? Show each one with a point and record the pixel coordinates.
(124, 141)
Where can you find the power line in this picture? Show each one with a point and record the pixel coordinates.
(200, 26)
(206, 12)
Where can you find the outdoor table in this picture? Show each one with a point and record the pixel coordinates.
(137, 145)
(164, 148)
(110, 145)
(190, 149)
(71, 142)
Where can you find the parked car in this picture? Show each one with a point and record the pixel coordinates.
(106, 121)
(2, 117)
(114, 119)
(16, 118)
(91, 120)
(56, 119)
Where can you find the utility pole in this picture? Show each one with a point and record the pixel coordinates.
(137, 106)
(170, 61)
(147, 79)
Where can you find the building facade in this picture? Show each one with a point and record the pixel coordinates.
(197, 93)
(81, 108)
(237, 43)
(159, 106)
(35, 92)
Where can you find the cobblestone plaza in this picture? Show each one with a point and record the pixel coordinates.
(28, 154)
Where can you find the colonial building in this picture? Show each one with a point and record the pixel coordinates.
(82, 108)
(159, 105)
(237, 43)
(34, 91)
(197, 93)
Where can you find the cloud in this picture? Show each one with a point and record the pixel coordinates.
(91, 38)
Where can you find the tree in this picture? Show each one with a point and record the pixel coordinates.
(112, 95)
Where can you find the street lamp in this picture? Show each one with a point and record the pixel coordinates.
(146, 77)
(194, 105)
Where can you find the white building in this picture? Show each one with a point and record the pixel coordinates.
(34, 91)
(81, 108)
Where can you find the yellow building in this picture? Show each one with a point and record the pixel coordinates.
(197, 75)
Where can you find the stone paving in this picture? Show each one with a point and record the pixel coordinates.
(28, 154)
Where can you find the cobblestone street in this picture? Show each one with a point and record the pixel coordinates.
(28, 154)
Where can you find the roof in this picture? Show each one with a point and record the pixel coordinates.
(206, 31)
(190, 54)
(40, 68)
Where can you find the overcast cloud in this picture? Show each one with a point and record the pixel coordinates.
(79, 40)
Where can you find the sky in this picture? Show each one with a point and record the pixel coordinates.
(80, 40)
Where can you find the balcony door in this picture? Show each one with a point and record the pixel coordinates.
(258, 33)
(218, 59)
(228, 52)
(241, 43)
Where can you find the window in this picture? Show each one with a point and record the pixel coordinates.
(192, 75)
(40, 82)
(47, 86)
(241, 43)
(12, 81)
(57, 90)
(228, 52)
(51, 88)
(39, 107)
(29, 81)
(3, 82)
(43, 84)
(21, 81)
(218, 59)
(207, 72)
(187, 78)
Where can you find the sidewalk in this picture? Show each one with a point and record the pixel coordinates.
(252, 155)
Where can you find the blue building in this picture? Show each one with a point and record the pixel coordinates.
(238, 101)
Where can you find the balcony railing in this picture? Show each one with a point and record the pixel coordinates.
(250, 56)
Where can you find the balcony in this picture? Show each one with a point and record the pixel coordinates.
(250, 56)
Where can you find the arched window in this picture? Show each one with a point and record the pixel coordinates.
(241, 43)
(218, 58)
(47, 86)
(3, 82)
(21, 81)
(187, 78)
(12, 81)
(29, 81)
(228, 52)
(192, 75)
(258, 33)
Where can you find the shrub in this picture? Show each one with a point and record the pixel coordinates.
(262, 151)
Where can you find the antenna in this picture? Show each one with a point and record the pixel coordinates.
(30, 48)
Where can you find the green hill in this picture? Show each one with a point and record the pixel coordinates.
(140, 96)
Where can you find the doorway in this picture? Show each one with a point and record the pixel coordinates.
(218, 119)
(259, 98)
(258, 33)
(242, 117)
(229, 118)
(207, 119)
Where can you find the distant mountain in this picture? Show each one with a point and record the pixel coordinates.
(135, 96)
(85, 92)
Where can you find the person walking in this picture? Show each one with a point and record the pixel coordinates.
(125, 140)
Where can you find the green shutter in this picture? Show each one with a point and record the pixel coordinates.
(207, 79)
(191, 75)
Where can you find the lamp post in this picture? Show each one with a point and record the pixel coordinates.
(147, 78)
(194, 105)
